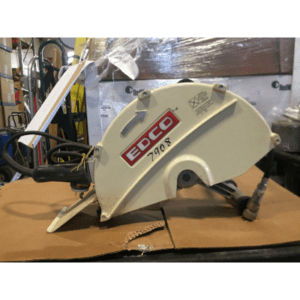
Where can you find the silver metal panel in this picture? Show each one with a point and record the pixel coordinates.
(270, 95)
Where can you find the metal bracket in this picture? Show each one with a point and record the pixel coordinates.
(220, 88)
(144, 94)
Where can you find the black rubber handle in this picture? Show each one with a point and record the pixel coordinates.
(62, 173)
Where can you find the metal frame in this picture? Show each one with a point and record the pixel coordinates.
(31, 102)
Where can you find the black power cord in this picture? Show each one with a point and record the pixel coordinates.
(56, 152)
(64, 143)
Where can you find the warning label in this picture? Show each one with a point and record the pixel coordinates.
(200, 103)
(203, 108)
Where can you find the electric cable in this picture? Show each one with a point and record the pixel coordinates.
(27, 171)
(56, 153)
(16, 150)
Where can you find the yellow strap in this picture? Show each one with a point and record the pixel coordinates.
(83, 160)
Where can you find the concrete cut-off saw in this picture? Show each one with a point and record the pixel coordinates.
(169, 138)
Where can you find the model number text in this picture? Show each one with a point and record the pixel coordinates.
(159, 149)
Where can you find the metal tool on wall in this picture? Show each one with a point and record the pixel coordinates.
(33, 92)
(34, 103)
(31, 45)
(64, 121)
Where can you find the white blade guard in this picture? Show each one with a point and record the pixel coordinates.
(186, 126)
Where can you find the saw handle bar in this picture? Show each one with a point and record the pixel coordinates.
(59, 172)
(64, 173)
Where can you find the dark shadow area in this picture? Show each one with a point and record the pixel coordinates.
(10, 209)
(139, 216)
(200, 209)
(83, 220)
(288, 252)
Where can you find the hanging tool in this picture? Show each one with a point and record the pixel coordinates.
(32, 85)
(64, 121)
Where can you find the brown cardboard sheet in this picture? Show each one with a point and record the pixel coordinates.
(5, 64)
(27, 209)
(8, 110)
(6, 44)
(205, 220)
(7, 92)
(202, 220)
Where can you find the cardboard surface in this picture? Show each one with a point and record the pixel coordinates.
(8, 110)
(5, 64)
(27, 209)
(269, 95)
(202, 220)
(7, 92)
(6, 44)
(211, 222)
